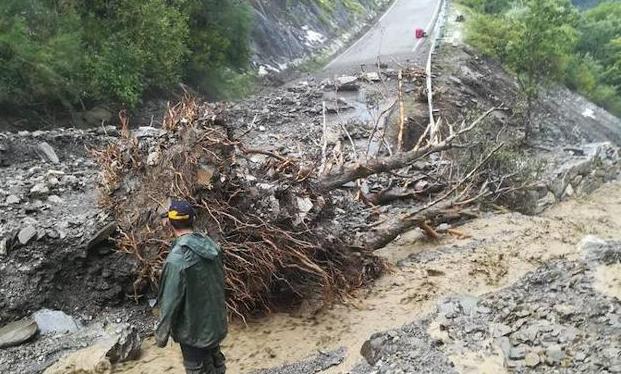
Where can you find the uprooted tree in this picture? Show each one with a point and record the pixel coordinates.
(271, 218)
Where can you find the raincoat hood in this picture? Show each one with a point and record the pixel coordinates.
(196, 245)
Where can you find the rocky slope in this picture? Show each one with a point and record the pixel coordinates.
(556, 318)
(287, 32)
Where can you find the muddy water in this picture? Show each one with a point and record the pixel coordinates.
(502, 248)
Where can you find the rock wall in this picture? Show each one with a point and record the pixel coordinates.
(287, 32)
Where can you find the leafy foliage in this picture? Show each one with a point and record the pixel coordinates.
(548, 40)
(66, 51)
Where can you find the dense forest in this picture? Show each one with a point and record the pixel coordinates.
(546, 41)
(68, 52)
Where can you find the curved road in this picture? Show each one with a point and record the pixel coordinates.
(392, 36)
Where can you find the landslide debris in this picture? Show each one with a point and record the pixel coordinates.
(553, 319)
(266, 215)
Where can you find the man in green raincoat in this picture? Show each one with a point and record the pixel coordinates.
(191, 297)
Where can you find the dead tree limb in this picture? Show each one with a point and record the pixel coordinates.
(397, 161)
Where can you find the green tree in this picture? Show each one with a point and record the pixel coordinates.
(544, 40)
(219, 44)
(40, 52)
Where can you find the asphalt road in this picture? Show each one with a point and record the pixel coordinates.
(392, 37)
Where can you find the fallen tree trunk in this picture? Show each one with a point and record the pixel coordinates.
(397, 161)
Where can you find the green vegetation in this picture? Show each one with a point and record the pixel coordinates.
(547, 41)
(68, 52)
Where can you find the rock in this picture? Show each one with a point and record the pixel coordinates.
(88, 360)
(54, 199)
(12, 199)
(595, 250)
(580, 356)
(519, 352)
(3, 247)
(347, 83)
(569, 191)
(48, 152)
(554, 354)
(16, 333)
(26, 234)
(443, 227)
(119, 343)
(52, 322)
(127, 344)
(153, 158)
(500, 329)
(371, 76)
(39, 190)
(548, 200)
(532, 359)
(102, 235)
(148, 132)
(372, 348)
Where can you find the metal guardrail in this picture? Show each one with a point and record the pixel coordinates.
(433, 125)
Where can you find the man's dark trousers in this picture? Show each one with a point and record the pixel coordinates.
(203, 360)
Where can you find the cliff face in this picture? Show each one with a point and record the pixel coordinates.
(286, 32)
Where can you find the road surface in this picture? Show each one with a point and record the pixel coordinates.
(391, 37)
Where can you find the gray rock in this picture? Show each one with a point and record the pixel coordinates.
(594, 249)
(554, 354)
(519, 352)
(48, 152)
(532, 359)
(16, 333)
(371, 349)
(153, 158)
(52, 322)
(347, 83)
(3, 247)
(26, 234)
(127, 344)
(12, 199)
(54, 199)
(580, 356)
(103, 234)
(148, 132)
(39, 190)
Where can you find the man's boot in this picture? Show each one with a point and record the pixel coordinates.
(192, 367)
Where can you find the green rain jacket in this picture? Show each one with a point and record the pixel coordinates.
(191, 296)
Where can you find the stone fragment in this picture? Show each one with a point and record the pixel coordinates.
(519, 352)
(148, 132)
(48, 152)
(532, 359)
(54, 199)
(39, 190)
(12, 199)
(554, 354)
(16, 333)
(3, 247)
(26, 234)
(126, 345)
(153, 158)
(371, 76)
(347, 83)
(52, 322)
(372, 348)
(103, 234)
